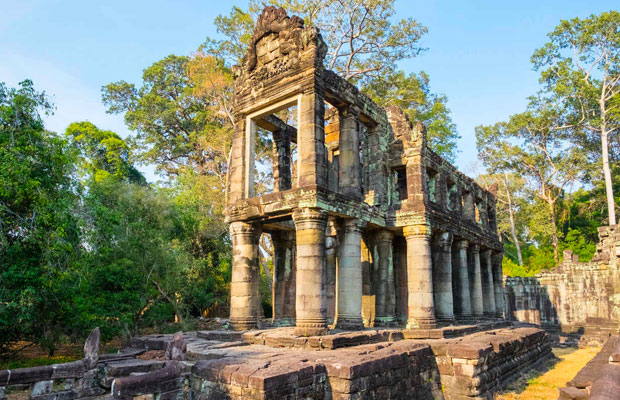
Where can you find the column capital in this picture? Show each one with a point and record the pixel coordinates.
(498, 256)
(462, 244)
(475, 247)
(348, 110)
(244, 228)
(354, 225)
(309, 215)
(443, 239)
(420, 230)
(384, 235)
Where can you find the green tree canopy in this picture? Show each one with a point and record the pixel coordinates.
(39, 234)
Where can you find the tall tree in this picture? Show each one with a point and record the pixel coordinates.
(534, 144)
(412, 93)
(39, 231)
(508, 186)
(103, 153)
(580, 66)
(364, 39)
(175, 128)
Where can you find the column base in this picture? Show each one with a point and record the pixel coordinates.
(284, 321)
(243, 324)
(350, 323)
(489, 314)
(421, 323)
(499, 315)
(316, 327)
(445, 321)
(386, 322)
(465, 319)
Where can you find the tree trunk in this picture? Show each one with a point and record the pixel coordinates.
(512, 221)
(554, 233)
(611, 204)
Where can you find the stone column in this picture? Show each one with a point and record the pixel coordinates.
(349, 314)
(385, 302)
(311, 141)
(282, 160)
(498, 284)
(244, 297)
(311, 312)
(282, 271)
(349, 175)
(488, 292)
(442, 277)
(462, 297)
(331, 249)
(421, 309)
(290, 297)
(475, 282)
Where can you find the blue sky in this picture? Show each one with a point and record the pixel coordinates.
(478, 51)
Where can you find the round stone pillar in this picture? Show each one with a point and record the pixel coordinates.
(385, 302)
(421, 309)
(462, 297)
(442, 277)
(488, 292)
(477, 307)
(349, 310)
(498, 284)
(283, 271)
(311, 310)
(244, 296)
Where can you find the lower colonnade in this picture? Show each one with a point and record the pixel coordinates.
(339, 273)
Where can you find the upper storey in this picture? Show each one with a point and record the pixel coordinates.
(305, 137)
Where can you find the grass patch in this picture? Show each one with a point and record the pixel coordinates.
(537, 385)
(35, 362)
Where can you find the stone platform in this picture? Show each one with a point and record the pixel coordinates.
(284, 337)
(226, 365)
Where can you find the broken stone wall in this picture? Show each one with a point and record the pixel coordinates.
(580, 297)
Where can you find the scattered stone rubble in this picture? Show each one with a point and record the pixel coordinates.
(576, 297)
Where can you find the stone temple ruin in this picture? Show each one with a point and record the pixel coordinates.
(369, 226)
(387, 263)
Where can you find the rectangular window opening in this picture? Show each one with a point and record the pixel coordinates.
(272, 150)
(399, 177)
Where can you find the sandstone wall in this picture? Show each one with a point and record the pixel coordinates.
(582, 297)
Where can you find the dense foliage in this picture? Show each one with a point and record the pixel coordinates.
(567, 138)
(85, 242)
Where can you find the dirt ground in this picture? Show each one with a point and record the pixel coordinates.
(544, 386)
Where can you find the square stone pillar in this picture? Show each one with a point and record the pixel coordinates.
(460, 280)
(236, 173)
(244, 296)
(311, 141)
(385, 301)
(488, 291)
(498, 284)
(475, 282)
(284, 278)
(281, 160)
(349, 309)
(421, 308)
(349, 175)
(442, 277)
(310, 304)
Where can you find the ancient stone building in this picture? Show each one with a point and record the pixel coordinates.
(579, 297)
(369, 226)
